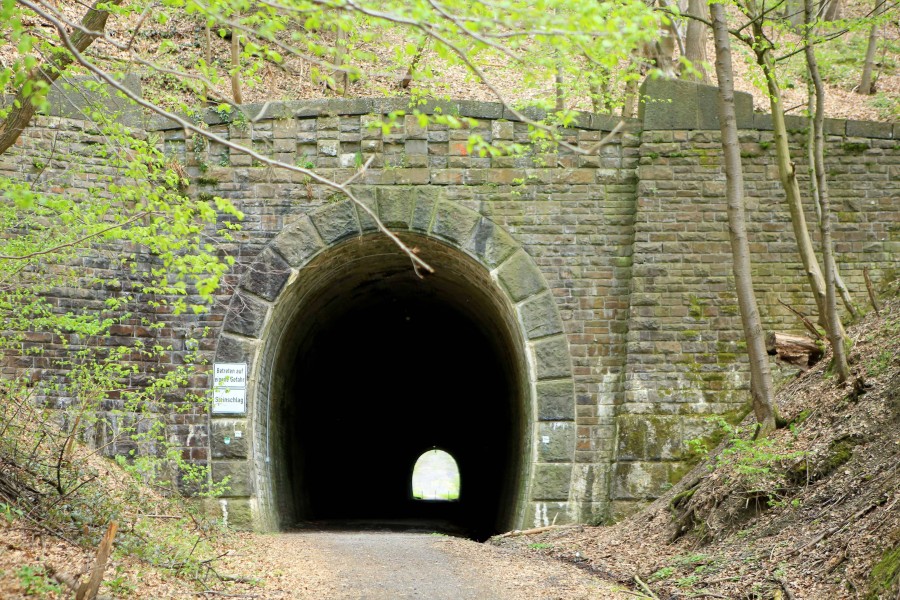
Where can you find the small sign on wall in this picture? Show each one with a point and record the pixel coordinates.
(229, 388)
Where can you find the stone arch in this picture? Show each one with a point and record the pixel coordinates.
(472, 246)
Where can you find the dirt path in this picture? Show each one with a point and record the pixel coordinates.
(398, 566)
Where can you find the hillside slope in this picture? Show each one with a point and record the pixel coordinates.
(812, 513)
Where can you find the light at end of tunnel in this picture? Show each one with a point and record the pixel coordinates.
(435, 477)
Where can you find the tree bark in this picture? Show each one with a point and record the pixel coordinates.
(695, 42)
(866, 83)
(814, 190)
(236, 66)
(48, 72)
(761, 388)
(835, 330)
(834, 10)
(786, 171)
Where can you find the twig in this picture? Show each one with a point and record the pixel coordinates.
(871, 289)
(518, 532)
(646, 588)
(78, 241)
(806, 322)
(784, 586)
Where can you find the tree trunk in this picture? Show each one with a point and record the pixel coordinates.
(786, 171)
(834, 10)
(695, 42)
(48, 72)
(865, 83)
(236, 65)
(340, 76)
(761, 388)
(835, 330)
(814, 189)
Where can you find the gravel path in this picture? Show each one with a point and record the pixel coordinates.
(399, 566)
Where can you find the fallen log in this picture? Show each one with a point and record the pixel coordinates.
(796, 350)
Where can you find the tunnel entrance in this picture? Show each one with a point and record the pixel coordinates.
(376, 365)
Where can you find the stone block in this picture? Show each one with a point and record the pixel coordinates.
(551, 358)
(763, 122)
(870, 129)
(427, 198)
(367, 196)
(502, 130)
(639, 480)
(835, 127)
(235, 349)
(335, 221)
(551, 481)
(454, 222)
(480, 110)
(237, 512)
(520, 277)
(240, 480)
(556, 441)
(649, 437)
(542, 514)
(329, 147)
(246, 315)
(589, 482)
(229, 438)
(668, 104)
(540, 317)
(69, 98)
(395, 206)
(555, 400)
(267, 275)
(491, 243)
(298, 242)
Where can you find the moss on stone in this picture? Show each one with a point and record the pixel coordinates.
(885, 575)
(854, 147)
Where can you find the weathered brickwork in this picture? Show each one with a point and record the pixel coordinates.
(617, 260)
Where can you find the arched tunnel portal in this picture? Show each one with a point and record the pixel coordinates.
(372, 364)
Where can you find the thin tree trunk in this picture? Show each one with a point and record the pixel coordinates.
(834, 11)
(814, 190)
(207, 54)
(236, 65)
(560, 89)
(413, 64)
(695, 42)
(787, 173)
(340, 76)
(835, 331)
(761, 388)
(629, 108)
(48, 72)
(865, 83)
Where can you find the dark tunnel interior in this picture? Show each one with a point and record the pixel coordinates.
(384, 366)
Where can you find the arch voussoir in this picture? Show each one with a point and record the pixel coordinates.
(520, 277)
(336, 221)
(267, 275)
(298, 242)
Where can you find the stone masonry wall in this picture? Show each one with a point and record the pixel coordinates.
(632, 242)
